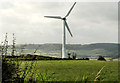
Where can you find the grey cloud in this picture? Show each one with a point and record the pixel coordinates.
(89, 22)
(6, 5)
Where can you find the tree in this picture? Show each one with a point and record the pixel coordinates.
(101, 58)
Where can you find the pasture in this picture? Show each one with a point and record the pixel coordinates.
(72, 70)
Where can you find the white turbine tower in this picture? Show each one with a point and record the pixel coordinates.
(64, 33)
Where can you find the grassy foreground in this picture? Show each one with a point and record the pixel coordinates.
(74, 70)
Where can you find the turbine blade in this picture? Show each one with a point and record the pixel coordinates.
(68, 28)
(70, 9)
(56, 17)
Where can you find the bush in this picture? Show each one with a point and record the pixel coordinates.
(11, 71)
(8, 70)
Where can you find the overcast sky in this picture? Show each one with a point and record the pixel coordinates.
(90, 22)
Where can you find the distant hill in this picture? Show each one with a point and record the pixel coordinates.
(88, 50)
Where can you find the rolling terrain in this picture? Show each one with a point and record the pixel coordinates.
(109, 50)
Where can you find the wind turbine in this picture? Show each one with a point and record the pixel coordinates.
(64, 32)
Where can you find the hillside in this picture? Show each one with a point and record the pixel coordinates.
(88, 50)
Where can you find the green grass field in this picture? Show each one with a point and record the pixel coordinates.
(74, 70)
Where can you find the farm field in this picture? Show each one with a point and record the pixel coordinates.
(74, 70)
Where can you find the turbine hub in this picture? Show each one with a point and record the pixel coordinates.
(64, 18)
